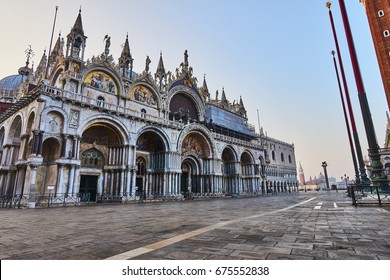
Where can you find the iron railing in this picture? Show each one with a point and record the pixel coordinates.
(44, 200)
(369, 195)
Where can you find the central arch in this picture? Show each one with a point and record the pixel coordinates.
(229, 170)
(152, 156)
(102, 154)
(249, 172)
(190, 176)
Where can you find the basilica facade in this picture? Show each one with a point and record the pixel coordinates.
(76, 126)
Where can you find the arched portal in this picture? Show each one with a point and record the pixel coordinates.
(141, 174)
(151, 154)
(10, 156)
(47, 173)
(248, 172)
(190, 176)
(28, 144)
(102, 156)
(196, 164)
(229, 171)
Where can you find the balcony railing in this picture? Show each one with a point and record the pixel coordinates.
(73, 74)
(236, 141)
(112, 108)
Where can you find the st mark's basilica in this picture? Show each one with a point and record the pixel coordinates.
(95, 130)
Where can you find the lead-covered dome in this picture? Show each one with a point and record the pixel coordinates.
(9, 86)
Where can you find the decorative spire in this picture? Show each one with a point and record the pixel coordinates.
(57, 50)
(223, 97)
(160, 72)
(126, 61)
(78, 25)
(241, 103)
(75, 45)
(204, 89)
(126, 48)
(41, 67)
(242, 108)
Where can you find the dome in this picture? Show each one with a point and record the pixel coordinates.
(9, 86)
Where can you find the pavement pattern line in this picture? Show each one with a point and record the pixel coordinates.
(161, 244)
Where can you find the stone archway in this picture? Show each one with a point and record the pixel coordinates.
(27, 150)
(102, 156)
(248, 173)
(47, 173)
(229, 171)
(196, 167)
(10, 155)
(190, 176)
(151, 152)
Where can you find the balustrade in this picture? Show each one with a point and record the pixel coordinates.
(98, 104)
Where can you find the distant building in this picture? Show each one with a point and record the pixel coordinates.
(319, 183)
(93, 126)
(301, 175)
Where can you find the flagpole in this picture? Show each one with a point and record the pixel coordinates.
(363, 175)
(51, 41)
(346, 118)
(258, 120)
(378, 177)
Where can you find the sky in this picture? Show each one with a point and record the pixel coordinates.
(275, 54)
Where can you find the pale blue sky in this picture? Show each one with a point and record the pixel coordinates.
(275, 54)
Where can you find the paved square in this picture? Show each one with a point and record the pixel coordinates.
(317, 225)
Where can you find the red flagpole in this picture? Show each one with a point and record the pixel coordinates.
(346, 119)
(377, 175)
(363, 175)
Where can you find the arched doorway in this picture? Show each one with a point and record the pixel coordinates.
(91, 159)
(247, 173)
(152, 158)
(100, 147)
(10, 156)
(141, 174)
(229, 172)
(48, 171)
(190, 176)
(196, 163)
(29, 139)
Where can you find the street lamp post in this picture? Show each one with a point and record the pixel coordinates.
(324, 165)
